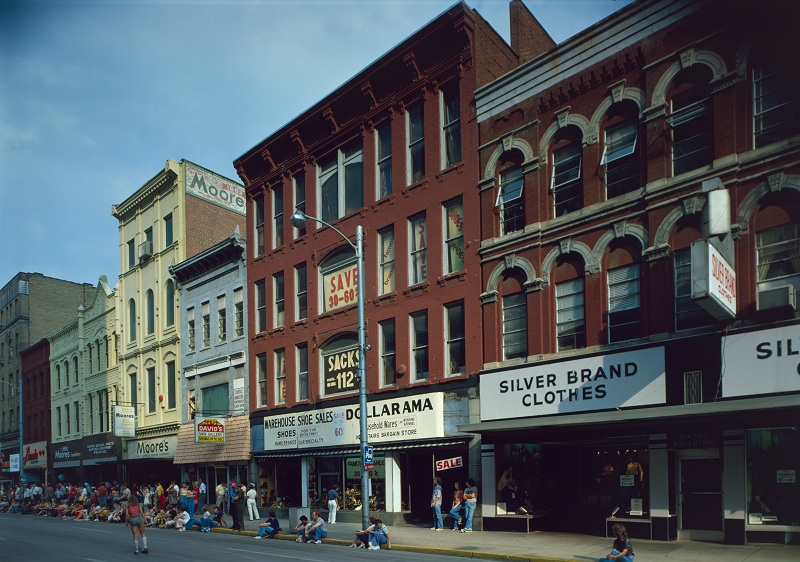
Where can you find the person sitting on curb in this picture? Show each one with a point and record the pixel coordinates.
(380, 535)
(270, 527)
(206, 522)
(317, 529)
(362, 537)
(218, 518)
(300, 528)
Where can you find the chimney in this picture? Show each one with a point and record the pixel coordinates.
(528, 37)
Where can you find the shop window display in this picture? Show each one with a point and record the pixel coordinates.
(773, 493)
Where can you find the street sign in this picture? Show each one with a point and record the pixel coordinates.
(23, 479)
(368, 458)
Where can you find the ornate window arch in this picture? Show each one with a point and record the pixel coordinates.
(532, 283)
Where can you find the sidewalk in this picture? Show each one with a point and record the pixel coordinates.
(546, 547)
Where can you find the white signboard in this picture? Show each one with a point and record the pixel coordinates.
(124, 421)
(762, 362)
(785, 476)
(13, 462)
(399, 419)
(620, 380)
(340, 287)
(153, 448)
(713, 281)
(214, 188)
(209, 430)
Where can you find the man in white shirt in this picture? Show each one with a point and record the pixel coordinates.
(201, 500)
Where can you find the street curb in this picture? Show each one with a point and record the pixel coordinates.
(419, 549)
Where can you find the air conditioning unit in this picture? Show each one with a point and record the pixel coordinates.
(777, 297)
(145, 250)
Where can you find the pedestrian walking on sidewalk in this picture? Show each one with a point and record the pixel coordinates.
(458, 499)
(470, 503)
(436, 505)
(333, 504)
(252, 506)
(622, 549)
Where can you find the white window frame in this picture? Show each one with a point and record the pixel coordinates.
(238, 312)
(301, 292)
(688, 314)
(386, 263)
(206, 324)
(277, 216)
(450, 128)
(453, 338)
(258, 218)
(261, 379)
(190, 329)
(680, 116)
(512, 304)
(415, 144)
(260, 290)
(280, 376)
(301, 354)
(299, 198)
(453, 236)
(512, 187)
(222, 319)
(336, 165)
(383, 160)
(565, 318)
(786, 245)
(418, 347)
(624, 294)
(279, 295)
(573, 161)
(387, 378)
(418, 248)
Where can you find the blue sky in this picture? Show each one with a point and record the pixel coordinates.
(95, 96)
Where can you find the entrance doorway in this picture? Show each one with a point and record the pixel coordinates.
(700, 514)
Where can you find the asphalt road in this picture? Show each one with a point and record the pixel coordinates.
(29, 538)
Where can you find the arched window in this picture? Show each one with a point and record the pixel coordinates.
(75, 367)
(511, 193)
(66, 373)
(620, 152)
(776, 92)
(690, 119)
(170, 304)
(567, 182)
(515, 316)
(151, 312)
(58, 377)
(777, 228)
(339, 361)
(570, 315)
(623, 272)
(131, 320)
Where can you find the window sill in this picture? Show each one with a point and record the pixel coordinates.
(419, 184)
(458, 167)
(459, 276)
(388, 298)
(423, 287)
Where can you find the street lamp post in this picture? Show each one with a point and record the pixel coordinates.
(298, 220)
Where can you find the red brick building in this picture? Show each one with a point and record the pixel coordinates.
(639, 234)
(36, 408)
(391, 150)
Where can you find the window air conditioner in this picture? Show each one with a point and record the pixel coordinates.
(145, 250)
(778, 297)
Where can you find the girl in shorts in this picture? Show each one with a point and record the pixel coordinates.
(135, 518)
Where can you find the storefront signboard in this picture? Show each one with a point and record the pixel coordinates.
(209, 430)
(445, 464)
(353, 468)
(619, 380)
(761, 362)
(124, 421)
(13, 461)
(636, 506)
(65, 453)
(162, 447)
(35, 455)
(785, 477)
(399, 419)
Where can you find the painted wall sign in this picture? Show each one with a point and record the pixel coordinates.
(209, 430)
(762, 362)
(339, 371)
(619, 380)
(124, 421)
(340, 287)
(221, 191)
(399, 419)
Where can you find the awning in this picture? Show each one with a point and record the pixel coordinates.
(235, 448)
(294, 453)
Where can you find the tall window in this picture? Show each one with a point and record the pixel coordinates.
(776, 115)
(454, 236)
(419, 346)
(416, 143)
(624, 313)
(152, 398)
(215, 400)
(515, 326)
(301, 292)
(621, 163)
(258, 203)
(151, 312)
(190, 328)
(302, 372)
(386, 260)
(777, 255)
(688, 314)
(690, 119)
(418, 272)
(102, 397)
(91, 413)
(170, 304)
(131, 320)
(570, 323)
(206, 320)
(341, 182)
(280, 376)
(384, 154)
(238, 312)
(455, 340)
(388, 353)
(134, 394)
(300, 198)
(451, 125)
(261, 306)
(168, 234)
(131, 253)
(58, 377)
(261, 375)
(277, 216)
(76, 409)
(75, 364)
(148, 235)
(280, 302)
(567, 185)
(58, 421)
(222, 320)
(510, 201)
(172, 395)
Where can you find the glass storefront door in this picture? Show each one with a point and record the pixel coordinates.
(700, 515)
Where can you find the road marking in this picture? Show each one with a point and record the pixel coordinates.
(273, 555)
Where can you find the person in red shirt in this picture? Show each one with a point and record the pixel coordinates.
(102, 494)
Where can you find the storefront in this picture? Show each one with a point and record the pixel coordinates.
(92, 459)
(35, 461)
(307, 453)
(652, 437)
(149, 459)
(215, 450)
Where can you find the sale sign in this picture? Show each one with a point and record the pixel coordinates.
(209, 430)
(445, 464)
(340, 287)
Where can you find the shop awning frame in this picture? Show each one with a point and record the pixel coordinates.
(294, 453)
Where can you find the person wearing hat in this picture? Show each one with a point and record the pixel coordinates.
(252, 507)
